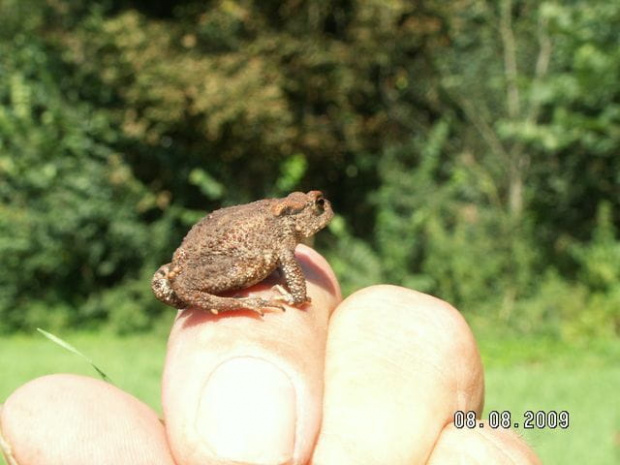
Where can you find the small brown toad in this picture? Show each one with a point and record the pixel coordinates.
(236, 247)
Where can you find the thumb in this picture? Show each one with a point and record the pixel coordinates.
(243, 389)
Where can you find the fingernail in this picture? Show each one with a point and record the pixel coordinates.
(248, 412)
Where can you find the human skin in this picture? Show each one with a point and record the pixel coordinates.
(373, 379)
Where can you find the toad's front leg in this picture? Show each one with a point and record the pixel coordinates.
(294, 277)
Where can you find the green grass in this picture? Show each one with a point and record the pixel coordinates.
(542, 375)
(521, 374)
(133, 363)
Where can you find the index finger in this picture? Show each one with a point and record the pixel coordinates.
(241, 388)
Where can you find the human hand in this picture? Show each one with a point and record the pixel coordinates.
(374, 379)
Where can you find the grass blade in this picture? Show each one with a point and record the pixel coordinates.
(65, 345)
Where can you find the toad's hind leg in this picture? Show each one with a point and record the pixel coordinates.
(217, 304)
(201, 287)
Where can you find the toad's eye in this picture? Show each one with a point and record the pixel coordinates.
(320, 203)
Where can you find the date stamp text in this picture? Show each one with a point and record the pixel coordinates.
(530, 419)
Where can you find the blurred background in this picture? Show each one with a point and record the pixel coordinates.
(470, 148)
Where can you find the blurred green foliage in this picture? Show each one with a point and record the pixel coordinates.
(470, 148)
